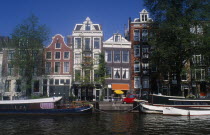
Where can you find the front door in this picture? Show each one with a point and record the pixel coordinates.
(97, 95)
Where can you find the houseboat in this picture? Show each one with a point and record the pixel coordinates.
(52, 105)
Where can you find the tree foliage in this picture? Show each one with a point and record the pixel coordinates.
(174, 40)
(28, 40)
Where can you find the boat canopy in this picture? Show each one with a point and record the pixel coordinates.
(30, 101)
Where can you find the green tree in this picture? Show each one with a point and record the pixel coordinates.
(173, 39)
(28, 40)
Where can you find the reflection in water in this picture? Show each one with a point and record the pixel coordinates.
(104, 124)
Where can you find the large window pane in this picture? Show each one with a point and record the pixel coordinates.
(108, 56)
(137, 51)
(57, 67)
(66, 67)
(116, 56)
(96, 43)
(125, 56)
(77, 43)
(117, 73)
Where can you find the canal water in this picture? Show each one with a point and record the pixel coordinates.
(111, 123)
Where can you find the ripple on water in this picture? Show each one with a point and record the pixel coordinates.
(104, 124)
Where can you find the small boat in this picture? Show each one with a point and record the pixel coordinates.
(186, 111)
(156, 103)
(50, 105)
(173, 101)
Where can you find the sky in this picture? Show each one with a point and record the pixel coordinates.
(61, 16)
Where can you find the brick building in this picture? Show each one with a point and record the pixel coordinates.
(58, 68)
(138, 32)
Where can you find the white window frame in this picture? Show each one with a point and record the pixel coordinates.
(56, 46)
(76, 44)
(66, 67)
(64, 55)
(84, 47)
(114, 57)
(127, 73)
(59, 67)
(55, 55)
(50, 55)
(98, 41)
(96, 59)
(135, 65)
(107, 77)
(79, 60)
(137, 82)
(145, 83)
(107, 56)
(136, 47)
(114, 72)
(128, 52)
(134, 36)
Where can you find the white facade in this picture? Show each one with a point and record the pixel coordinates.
(87, 42)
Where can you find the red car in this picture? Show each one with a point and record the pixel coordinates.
(129, 99)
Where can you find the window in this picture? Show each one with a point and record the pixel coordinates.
(77, 75)
(144, 35)
(87, 26)
(145, 65)
(51, 81)
(116, 56)
(125, 73)
(136, 82)
(66, 55)
(165, 76)
(78, 43)
(48, 55)
(145, 17)
(96, 75)
(67, 81)
(117, 73)
(108, 56)
(197, 59)
(87, 44)
(96, 59)
(61, 81)
(48, 67)
(36, 86)
(66, 67)
(87, 74)
(18, 86)
(136, 66)
(136, 35)
(145, 82)
(57, 55)
(125, 57)
(142, 18)
(77, 58)
(57, 45)
(56, 81)
(184, 76)
(117, 38)
(96, 43)
(108, 72)
(8, 86)
(57, 67)
(137, 51)
(200, 74)
(11, 54)
(10, 69)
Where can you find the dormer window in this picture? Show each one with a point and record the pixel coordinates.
(117, 38)
(87, 26)
(57, 45)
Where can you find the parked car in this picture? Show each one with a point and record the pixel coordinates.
(129, 99)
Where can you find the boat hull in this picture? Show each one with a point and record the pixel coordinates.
(145, 108)
(79, 110)
(185, 112)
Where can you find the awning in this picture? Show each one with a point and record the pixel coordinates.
(118, 92)
(120, 86)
